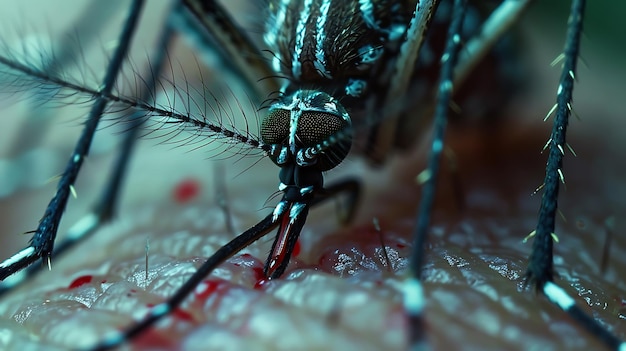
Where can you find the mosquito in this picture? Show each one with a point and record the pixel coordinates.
(323, 94)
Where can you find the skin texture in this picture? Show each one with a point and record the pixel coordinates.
(339, 291)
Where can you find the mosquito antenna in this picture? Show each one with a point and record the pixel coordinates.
(185, 119)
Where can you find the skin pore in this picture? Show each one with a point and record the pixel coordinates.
(338, 292)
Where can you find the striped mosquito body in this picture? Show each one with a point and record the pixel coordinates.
(339, 47)
(350, 50)
(337, 59)
(343, 48)
(330, 65)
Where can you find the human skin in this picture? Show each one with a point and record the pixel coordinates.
(473, 277)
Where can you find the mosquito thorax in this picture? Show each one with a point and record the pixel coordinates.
(309, 128)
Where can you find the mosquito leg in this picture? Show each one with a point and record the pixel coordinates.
(401, 77)
(350, 187)
(540, 268)
(220, 256)
(105, 207)
(210, 23)
(540, 271)
(41, 245)
(498, 23)
(163, 309)
(413, 291)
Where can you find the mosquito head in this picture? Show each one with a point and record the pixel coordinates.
(310, 127)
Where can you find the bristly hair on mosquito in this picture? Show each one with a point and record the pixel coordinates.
(30, 72)
(183, 114)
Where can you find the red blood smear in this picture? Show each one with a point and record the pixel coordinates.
(183, 315)
(153, 340)
(210, 286)
(186, 191)
(82, 280)
(259, 284)
(258, 273)
(161, 339)
(178, 313)
(296, 249)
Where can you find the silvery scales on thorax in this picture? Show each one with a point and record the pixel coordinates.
(343, 71)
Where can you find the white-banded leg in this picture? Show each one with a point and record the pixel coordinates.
(42, 242)
(500, 21)
(540, 271)
(402, 75)
(413, 291)
(105, 207)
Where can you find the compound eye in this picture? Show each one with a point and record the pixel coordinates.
(322, 137)
(317, 127)
(275, 127)
(314, 128)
